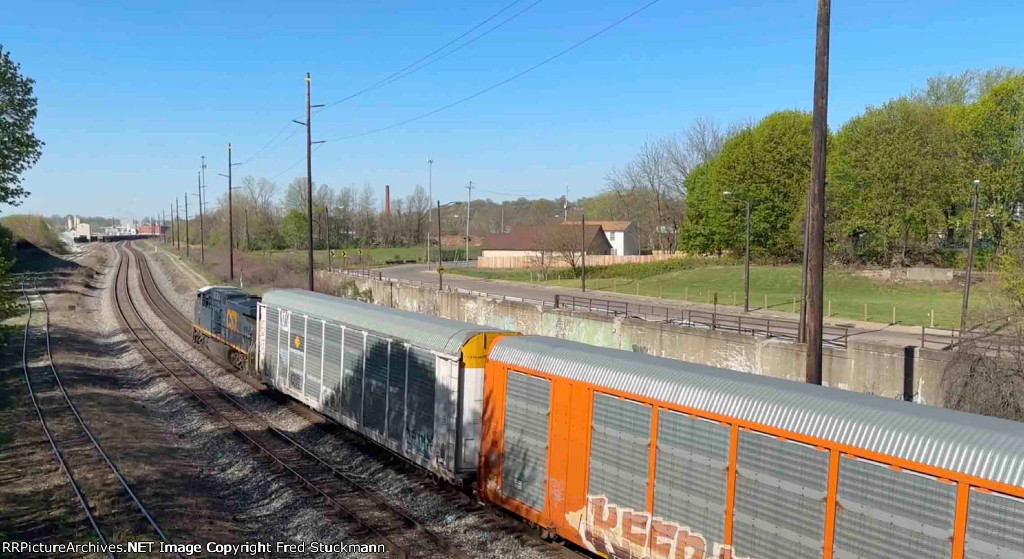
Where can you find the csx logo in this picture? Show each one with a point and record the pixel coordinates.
(233, 320)
(297, 342)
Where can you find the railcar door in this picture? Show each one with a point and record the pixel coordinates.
(296, 352)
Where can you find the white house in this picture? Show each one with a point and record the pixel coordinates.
(621, 235)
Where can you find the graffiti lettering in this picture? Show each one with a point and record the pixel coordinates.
(622, 533)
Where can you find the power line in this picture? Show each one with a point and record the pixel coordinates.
(424, 57)
(293, 165)
(253, 156)
(509, 194)
(403, 74)
(503, 82)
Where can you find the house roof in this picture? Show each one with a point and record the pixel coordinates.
(533, 236)
(607, 225)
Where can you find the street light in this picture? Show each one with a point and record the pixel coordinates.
(430, 202)
(970, 260)
(746, 258)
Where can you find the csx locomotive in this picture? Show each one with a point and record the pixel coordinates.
(224, 321)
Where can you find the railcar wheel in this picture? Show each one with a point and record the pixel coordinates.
(198, 338)
(237, 359)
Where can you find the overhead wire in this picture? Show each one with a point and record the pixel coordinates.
(424, 57)
(502, 82)
(406, 71)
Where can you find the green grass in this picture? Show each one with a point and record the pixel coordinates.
(846, 292)
(371, 256)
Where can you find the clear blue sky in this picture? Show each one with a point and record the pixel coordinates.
(131, 95)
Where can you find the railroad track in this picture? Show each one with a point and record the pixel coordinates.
(72, 442)
(180, 324)
(367, 515)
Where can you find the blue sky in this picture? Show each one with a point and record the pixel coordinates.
(131, 94)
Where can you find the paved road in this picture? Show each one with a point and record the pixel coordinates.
(897, 335)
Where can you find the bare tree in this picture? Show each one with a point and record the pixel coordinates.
(986, 375)
(564, 243)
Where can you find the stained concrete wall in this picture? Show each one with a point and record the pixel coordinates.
(865, 367)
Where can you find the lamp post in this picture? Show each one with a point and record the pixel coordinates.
(746, 258)
(430, 202)
(970, 260)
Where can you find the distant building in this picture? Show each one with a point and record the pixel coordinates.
(82, 231)
(153, 229)
(532, 240)
(621, 235)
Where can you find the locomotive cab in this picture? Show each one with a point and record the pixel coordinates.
(224, 320)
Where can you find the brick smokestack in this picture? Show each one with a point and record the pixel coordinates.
(387, 200)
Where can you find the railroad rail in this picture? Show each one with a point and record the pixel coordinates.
(66, 427)
(370, 516)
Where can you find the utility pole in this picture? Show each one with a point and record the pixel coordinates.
(163, 223)
(801, 335)
(440, 259)
(186, 223)
(327, 216)
(469, 203)
(177, 224)
(309, 173)
(746, 266)
(430, 202)
(565, 206)
(816, 200)
(231, 222)
(583, 253)
(202, 233)
(970, 261)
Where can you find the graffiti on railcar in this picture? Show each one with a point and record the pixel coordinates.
(622, 533)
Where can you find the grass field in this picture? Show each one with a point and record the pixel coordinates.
(370, 256)
(846, 293)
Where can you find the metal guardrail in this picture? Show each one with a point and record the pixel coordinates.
(837, 336)
(948, 339)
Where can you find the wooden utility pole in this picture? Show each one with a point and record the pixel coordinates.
(186, 223)
(309, 174)
(440, 254)
(231, 225)
(309, 179)
(583, 253)
(970, 261)
(327, 220)
(177, 225)
(231, 222)
(202, 233)
(816, 200)
(469, 204)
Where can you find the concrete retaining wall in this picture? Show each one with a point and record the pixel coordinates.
(878, 369)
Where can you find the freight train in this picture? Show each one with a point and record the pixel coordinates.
(636, 456)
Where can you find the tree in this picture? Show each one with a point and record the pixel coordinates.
(19, 147)
(293, 229)
(892, 181)
(993, 145)
(769, 165)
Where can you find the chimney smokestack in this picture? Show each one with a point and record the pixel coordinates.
(387, 200)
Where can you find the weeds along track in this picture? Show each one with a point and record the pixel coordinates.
(88, 468)
(364, 514)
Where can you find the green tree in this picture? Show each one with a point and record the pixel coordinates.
(769, 165)
(992, 136)
(293, 229)
(19, 147)
(892, 181)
